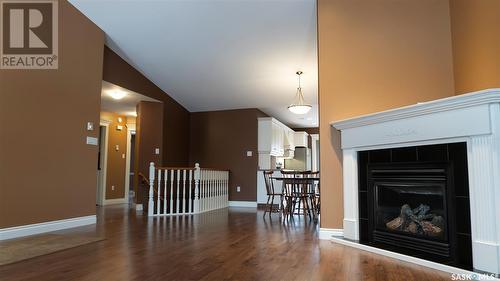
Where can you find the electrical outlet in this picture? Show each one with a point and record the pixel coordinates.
(249, 153)
(238, 188)
(113, 187)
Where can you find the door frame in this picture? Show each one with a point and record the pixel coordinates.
(315, 155)
(130, 131)
(101, 201)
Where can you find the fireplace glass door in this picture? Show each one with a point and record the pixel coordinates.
(417, 209)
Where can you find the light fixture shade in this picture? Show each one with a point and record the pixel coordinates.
(117, 94)
(299, 109)
(299, 106)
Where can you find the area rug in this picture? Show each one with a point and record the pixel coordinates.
(25, 248)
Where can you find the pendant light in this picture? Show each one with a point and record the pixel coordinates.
(299, 106)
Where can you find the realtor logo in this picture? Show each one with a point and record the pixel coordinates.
(28, 34)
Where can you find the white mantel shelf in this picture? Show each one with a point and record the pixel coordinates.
(471, 118)
(456, 102)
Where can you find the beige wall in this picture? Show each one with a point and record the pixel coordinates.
(47, 171)
(116, 162)
(375, 55)
(476, 44)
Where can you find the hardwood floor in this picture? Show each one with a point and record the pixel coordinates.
(235, 244)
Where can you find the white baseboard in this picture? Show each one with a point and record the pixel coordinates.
(114, 201)
(138, 207)
(37, 228)
(410, 259)
(246, 204)
(328, 233)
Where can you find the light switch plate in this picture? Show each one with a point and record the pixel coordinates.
(249, 153)
(157, 151)
(238, 188)
(90, 126)
(92, 141)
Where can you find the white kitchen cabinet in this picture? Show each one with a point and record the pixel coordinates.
(301, 139)
(274, 137)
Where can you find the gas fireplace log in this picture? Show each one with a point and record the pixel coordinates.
(417, 221)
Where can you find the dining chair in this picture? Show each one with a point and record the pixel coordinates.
(271, 193)
(314, 193)
(289, 200)
(296, 194)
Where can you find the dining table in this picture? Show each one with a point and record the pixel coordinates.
(301, 182)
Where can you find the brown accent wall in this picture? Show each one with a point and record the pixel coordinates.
(375, 55)
(475, 26)
(116, 159)
(220, 139)
(310, 131)
(47, 171)
(148, 137)
(175, 116)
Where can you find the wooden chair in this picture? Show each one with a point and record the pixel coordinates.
(297, 194)
(271, 193)
(314, 193)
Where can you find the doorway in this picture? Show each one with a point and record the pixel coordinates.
(102, 164)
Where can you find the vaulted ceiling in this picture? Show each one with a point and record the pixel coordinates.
(216, 55)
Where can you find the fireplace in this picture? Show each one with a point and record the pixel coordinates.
(410, 208)
(461, 131)
(408, 202)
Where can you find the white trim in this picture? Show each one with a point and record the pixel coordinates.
(115, 201)
(405, 258)
(37, 228)
(315, 154)
(245, 204)
(456, 102)
(329, 233)
(130, 132)
(104, 166)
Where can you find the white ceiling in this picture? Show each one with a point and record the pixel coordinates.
(126, 105)
(215, 55)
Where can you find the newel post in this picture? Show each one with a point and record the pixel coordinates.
(197, 176)
(151, 203)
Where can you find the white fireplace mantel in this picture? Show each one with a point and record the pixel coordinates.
(472, 118)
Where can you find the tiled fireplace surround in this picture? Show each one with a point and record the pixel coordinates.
(472, 118)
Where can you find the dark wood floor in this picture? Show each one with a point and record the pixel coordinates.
(235, 244)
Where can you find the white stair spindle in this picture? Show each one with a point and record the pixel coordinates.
(183, 192)
(158, 201)
(165, 175)
(196, 201)
(151, 189)
(171, 192)
(177, 207)
(226, 188)
(189, 201)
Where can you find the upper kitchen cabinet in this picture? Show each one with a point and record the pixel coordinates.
(275, 139)
(301, 139)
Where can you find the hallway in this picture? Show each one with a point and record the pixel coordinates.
(227, 244)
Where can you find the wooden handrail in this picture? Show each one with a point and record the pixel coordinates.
(191, 168)
(215, 169)
(175, 168)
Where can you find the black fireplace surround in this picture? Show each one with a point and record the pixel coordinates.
(415, 201)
